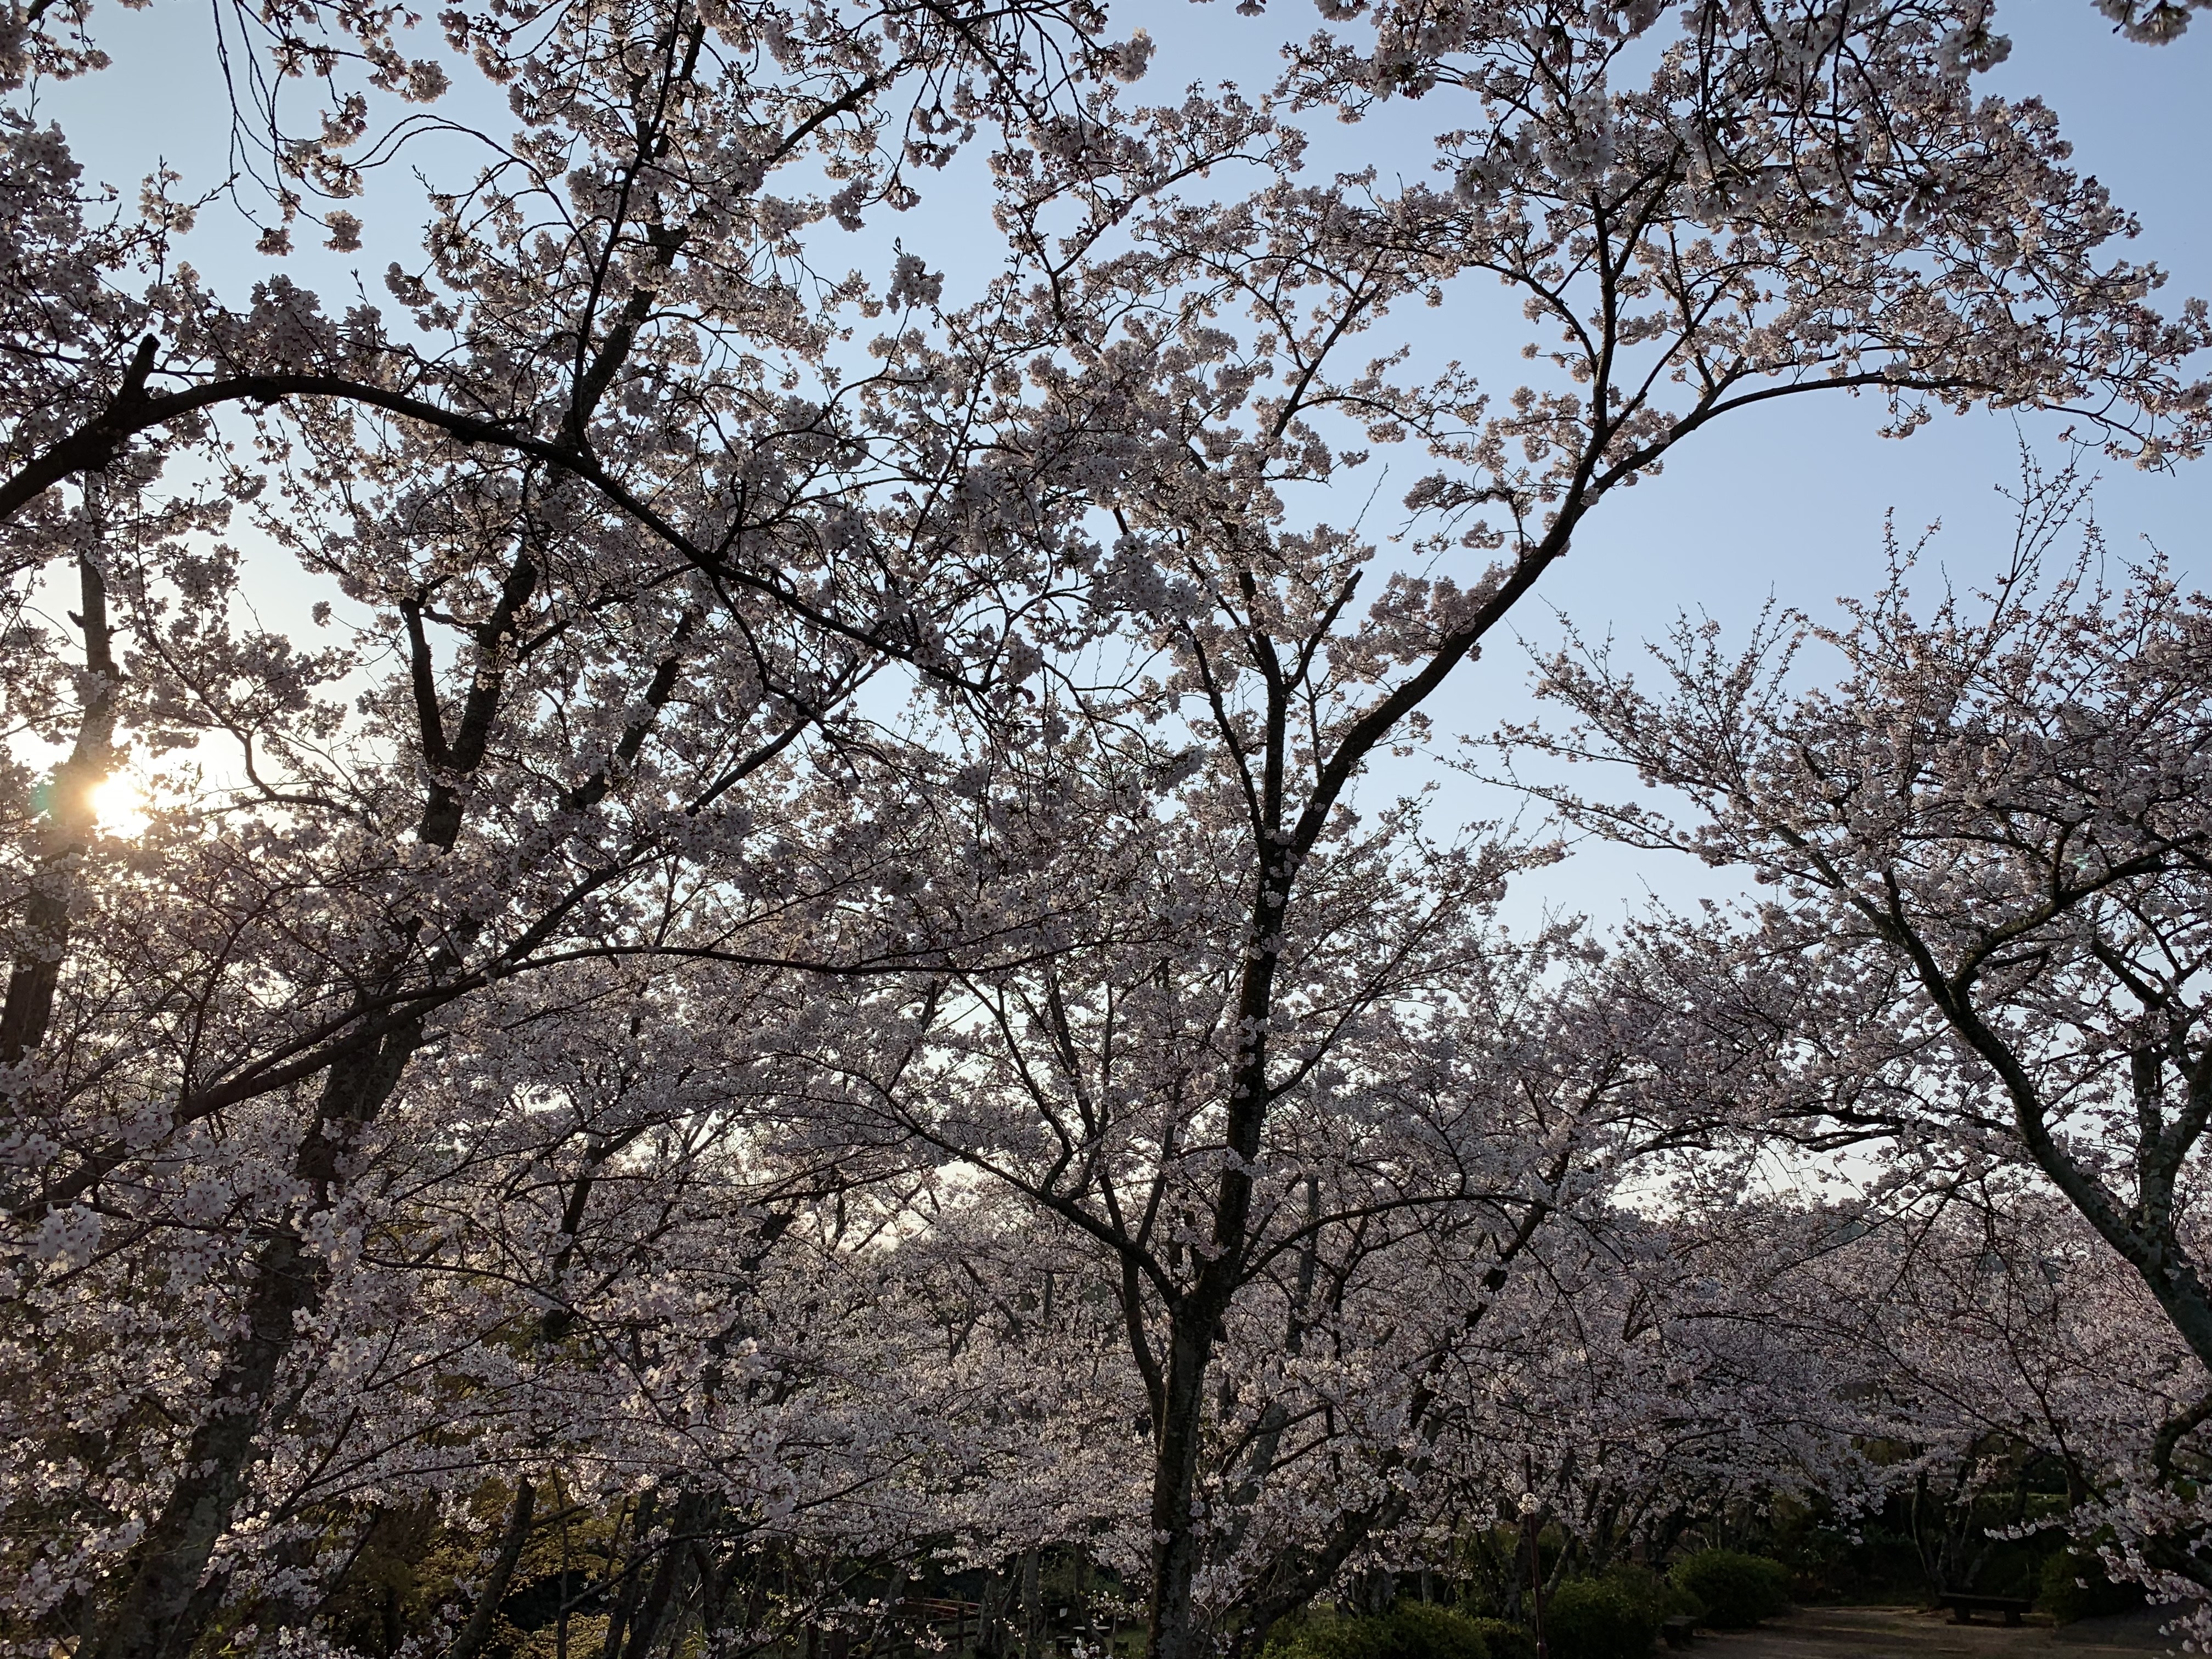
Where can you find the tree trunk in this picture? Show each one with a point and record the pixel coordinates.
(71, 821)
(1171, 1632)
(156, 1611)
(473, 1636)
(991, 1615)
(160, 1608)
(633, 1585)
(694, 1512)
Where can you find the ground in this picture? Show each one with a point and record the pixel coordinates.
(1905, 1633)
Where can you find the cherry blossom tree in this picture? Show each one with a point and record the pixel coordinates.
(1987, 840)
(1756, 219)
(2156, 24)
(561, 1040)
(611, 580)
(2006, 1341)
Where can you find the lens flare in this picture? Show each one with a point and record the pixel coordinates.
(120, 805)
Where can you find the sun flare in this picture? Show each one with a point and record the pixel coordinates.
(120, 805)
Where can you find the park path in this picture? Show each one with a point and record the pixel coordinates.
(1906, 1633)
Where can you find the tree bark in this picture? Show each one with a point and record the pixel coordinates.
(478, 1631)
(71, 821)
(695, 1510)
(1171, 1632)
(158, 1611)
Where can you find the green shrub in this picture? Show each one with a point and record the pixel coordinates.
(1324, 1637)
(1737, 1589)
(1505, 1641)
(2074, 1586)
(1667, 1597)
(1411, 1630)
(1614, 1617)
(1677, 1602)
(1427, 1630)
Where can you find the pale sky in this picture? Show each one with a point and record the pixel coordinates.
(1788, 505)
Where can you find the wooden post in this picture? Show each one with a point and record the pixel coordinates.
(1535, 1578)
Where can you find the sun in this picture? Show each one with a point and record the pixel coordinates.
(119, 805)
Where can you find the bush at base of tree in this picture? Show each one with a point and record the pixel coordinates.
(2073, 1586)
(1504, 1639)
(1615, 1617)
(1410, 1630)
(1737, 1589)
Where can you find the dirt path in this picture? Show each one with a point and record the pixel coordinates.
(1906, 1633)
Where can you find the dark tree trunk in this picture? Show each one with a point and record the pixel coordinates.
(70, 820)
(159, 1610)
(473, 1636)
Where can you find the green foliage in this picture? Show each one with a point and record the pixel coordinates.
(399, 1569)
(1411, 1630)
(1422, 1630)
(2074, 1586)
(1504, 1640)
(1738, 1590)
(1323, 1637)
(1614, 1617)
